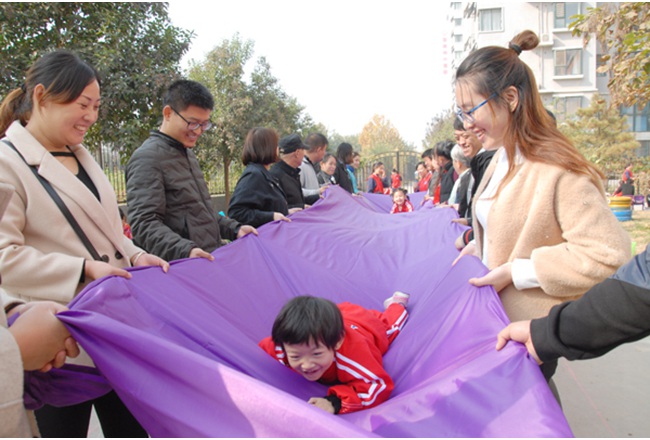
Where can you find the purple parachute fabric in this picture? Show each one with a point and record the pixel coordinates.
(181, 348)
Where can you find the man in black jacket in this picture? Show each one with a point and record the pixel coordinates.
(611, 313)
(169, 205)
(287, 170)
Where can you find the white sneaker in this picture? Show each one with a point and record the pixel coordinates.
(398, 298)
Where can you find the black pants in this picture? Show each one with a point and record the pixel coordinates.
(73, 421)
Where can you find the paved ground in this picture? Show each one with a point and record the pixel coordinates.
(607, 397)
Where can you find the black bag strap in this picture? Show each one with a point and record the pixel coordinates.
(64, 209)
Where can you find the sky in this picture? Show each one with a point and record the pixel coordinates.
(344, 61)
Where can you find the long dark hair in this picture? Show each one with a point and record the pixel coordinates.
(491, 70)
(64, 76)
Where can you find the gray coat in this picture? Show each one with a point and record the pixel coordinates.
(169, 205)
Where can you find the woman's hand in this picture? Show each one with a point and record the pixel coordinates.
(150, 260)
(43, 340)
(470, 249)
(498, 278)
(294, 210)
(98, 269)
(280, 216)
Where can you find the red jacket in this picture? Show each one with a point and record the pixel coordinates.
(423, 184)
(406, 207)
(357, 374)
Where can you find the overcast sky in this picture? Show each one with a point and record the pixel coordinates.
(343, 60)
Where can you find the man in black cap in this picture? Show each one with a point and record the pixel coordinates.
(287, 171)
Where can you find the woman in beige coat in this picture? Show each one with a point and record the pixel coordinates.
(542, 222)
(41, 257)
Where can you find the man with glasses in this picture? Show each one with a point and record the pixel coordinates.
(169, 205)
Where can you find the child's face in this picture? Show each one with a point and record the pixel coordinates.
(399, 198)
(311, 360)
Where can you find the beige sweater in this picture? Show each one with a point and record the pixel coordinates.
(561, 221)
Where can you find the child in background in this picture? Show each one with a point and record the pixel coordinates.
(339, 345)
(401, 201)
(126, 228)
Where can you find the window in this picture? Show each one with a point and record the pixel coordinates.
(564, 12)
(567, 106)
(489, 20)
(458, 38)
(568, 62)
(457, 5)
(638, 119)
(458, 21)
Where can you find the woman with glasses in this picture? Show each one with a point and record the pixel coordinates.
(59, 191)
(541, 221)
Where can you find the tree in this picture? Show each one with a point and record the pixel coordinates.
(600, 133)
(222, 72)
(336, 139)
(623, 30)
(241, 105)
(273, 106)
(380, 136)
(441, 128)
(133, 46)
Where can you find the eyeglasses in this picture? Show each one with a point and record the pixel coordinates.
(468, 116)
(194, 125)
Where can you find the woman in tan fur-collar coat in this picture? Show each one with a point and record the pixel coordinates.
(43, 124)
(542, 223)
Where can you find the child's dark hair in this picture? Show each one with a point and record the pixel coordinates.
(307, 318)
(402, 190)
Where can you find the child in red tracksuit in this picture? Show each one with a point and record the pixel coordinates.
(341, 345)
(401, 201)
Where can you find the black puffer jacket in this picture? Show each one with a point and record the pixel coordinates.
(170, 210)
(257, 197)
(611, 313)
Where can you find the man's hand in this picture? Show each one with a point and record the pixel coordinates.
(200, 253)
(245, 230)
(519, 332)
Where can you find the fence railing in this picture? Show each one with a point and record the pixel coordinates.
(113, 167)
(403, 161)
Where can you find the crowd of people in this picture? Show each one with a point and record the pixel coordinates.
(513, 178)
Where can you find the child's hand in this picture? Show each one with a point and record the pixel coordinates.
(323, 404)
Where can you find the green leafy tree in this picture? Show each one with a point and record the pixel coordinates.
(600, 133)
(272, 105)
(222, 72)
(335, 139)
(441, 128)
(379, 135)
(241, 104)
(133, 46)
(623, 30)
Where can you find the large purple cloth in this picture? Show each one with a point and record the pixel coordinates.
(181, 348)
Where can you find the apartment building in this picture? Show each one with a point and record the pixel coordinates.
(565, 69)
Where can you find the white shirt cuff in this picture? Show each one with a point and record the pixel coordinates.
(524, 275)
